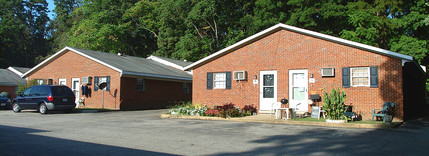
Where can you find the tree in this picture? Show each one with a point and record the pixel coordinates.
(23, 31)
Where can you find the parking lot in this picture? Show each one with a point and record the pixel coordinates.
(145, 133)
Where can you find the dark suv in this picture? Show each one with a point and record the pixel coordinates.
(45, 98)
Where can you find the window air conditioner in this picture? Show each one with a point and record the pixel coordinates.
(240, 75)
(327, 72)
(86, 80)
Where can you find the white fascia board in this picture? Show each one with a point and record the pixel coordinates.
(14, 71)
(94, 59)
(62, 51)
(221, 52)
(301, 31)
(346, 42)
(168, 63)
(156, 76)
(44, 62)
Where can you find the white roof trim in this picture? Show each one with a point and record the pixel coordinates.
(156, 76)
(96, 60)
(301, 31)
(62, 51)
(15, 71)
(165, 62)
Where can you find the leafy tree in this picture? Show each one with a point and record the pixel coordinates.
(23, 31)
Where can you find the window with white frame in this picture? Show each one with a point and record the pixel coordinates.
(140, 84)
(360, 76)
(40, 81)
(219, 80)
(102, 79)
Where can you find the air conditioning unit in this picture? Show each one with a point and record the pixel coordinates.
(327, 71)
(240, 75)
(86, 80)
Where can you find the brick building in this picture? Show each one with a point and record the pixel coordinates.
(10, 79)
(132, 82)
(289, 62)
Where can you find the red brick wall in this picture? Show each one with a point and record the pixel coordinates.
(71, 65)
(284, 51)
(157, 94)
(9, 89)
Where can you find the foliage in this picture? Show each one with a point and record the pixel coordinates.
(186, 108)
(427, 87)
(333, 104)
(30, 83)
(229, 110)
(212, 112)
(249, 109)
(193, 29)
(23, 31)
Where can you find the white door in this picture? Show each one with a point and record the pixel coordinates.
(62, 82)
(298, 89)
(75, 88)
(268, 89)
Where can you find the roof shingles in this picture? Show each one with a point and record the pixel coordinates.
(135, 64)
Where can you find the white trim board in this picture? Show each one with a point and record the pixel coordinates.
(66, 49)
(281, 26)
(15, 71)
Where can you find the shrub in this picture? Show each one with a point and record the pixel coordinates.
(229, 110)
(249, 109)
(212, 112)
(333, 104)
(30, 83)
(186, 108)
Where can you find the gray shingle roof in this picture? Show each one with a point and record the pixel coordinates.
(136, 65)
(21, 69)
(178, 62)
(9, 78)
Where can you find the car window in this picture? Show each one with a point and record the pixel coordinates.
(27, 92)
(61, 91)
(35, 91)
(43, 91)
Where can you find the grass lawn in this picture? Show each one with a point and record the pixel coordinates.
(324, 120)
(308, 119)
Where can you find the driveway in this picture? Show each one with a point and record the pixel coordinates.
(145, 133)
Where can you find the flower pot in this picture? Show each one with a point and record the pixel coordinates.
(335, 121)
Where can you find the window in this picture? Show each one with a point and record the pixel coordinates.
(140, 84)
(99, 80)
(360, 76)
(102, 79)
(219, 80)
(39, 81)
(44, 81)
(186, 88)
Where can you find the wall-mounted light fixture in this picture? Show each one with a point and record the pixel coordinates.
(256, 77)
(311, 76)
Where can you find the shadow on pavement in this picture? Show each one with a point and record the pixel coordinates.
(31, 144)
(410, 139)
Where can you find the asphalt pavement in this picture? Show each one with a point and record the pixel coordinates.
(145, 133)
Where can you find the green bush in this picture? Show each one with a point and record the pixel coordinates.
(333, 104)
(187, 108)
(30, 83)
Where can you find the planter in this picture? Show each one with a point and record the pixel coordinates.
(335, 121)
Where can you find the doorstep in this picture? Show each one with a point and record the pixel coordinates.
(266, 118)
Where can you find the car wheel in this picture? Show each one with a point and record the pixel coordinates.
(16, 108)
(43, 109)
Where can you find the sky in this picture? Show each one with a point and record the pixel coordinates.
(51, 7)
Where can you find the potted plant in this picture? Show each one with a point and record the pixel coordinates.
(333, 104)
